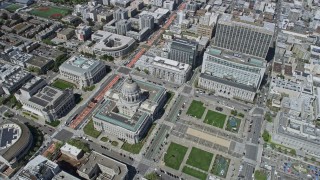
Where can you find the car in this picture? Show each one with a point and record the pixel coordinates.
(219, 109)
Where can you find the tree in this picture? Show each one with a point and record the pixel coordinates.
(34, 69)
(266, 136)
(48, 42)
(146, 71)
(234, 112)
(152, 176)
(7, 114)
(90, 22)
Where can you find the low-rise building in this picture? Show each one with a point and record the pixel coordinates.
(30, 88)
(98, 166)
(71, 151)
(165, 69)
(18, 57)
(112, 44)
(66, 34)
(41, 64)
(39, 168)
(12, 78)
(82, 71)
(49, 103)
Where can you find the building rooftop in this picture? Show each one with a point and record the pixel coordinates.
(9, 75)
(48, 96)
(66, 31)
(71, 149)
(38, 168)
(229, 83)
(170, 64)
(14, 137)
(64, 176)
(108, 111)
(80, 64)
(32, 83)
(17, 56)
(110, 168)
(249, 61)
(110, 41)
(248, 22)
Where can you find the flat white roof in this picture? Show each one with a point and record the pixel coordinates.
(71, 149)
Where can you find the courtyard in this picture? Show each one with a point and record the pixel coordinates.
(61, 84)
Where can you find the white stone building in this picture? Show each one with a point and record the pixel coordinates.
(82, 71)
(231, 77)
(130, 109)
(166, 69)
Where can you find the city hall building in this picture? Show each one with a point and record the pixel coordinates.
(129, 109)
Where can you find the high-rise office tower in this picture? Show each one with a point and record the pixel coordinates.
(184, 51)
(242, 34)
(231, 77)
(120, 14)
(181, 16)
(123, 26)
(146, 21)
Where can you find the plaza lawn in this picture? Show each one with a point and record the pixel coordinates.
(61, 84)
(13, 7)
(196, 109)
(195, 173)
(220, 166)
(90, 131)
(53, 123)
(215, 119)
(175, 155)
(200, 159)
(135, 148)
(260, 175)
(50, 12)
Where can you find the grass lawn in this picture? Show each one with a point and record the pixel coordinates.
(61, 84)
(90, 131)
(215, 119)
(200, 159)
(50, 12)
(13, 7)
(175, 155)
(196, 109)
(194, 173)
(53, 123)
(104, 139)
(220, 166)
(233, 124)
(135, 148)
(260, 175)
